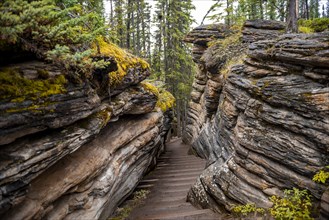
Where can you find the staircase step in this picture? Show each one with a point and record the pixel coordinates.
(196, 214)
(173, 175)
(169, 184)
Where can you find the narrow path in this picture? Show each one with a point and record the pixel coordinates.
(169, 184)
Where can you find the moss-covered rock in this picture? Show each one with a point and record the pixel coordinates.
(165, 101)
(123, 59)
(17, 88)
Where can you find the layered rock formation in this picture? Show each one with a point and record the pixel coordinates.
(270, 129)
(74, 147)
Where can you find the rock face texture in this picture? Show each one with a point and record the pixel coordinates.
(74, 148)
(270, 130)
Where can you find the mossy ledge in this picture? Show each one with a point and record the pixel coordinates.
(123, 59)
(165, 99)
(18, 89)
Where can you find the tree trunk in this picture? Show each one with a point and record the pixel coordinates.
(307, 9)
(143, 23)
(292, 17)
(111, 13)
(138, 23)
(261, 8)
(129, 8)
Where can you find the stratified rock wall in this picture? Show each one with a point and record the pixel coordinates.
(90, 182)
(271, 128)
(74, 147)
(201, 92)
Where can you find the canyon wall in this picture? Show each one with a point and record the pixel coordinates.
(74, 146)
(261, 121)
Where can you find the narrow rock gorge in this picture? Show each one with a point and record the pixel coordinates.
(74, 146)
(259, 114)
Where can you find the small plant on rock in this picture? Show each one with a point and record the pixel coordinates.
(245, 210)
(138, 199)
(322, 176)
(296, 204)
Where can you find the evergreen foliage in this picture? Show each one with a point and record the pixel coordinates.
(172, 62)
(60, 33)
(235, 11)
(314, 25)
(131, 25)
(73, 34)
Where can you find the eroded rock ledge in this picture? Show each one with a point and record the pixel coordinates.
(74, 148)
(270, 129)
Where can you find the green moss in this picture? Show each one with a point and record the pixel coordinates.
(166, 100)
(271, 50)
(123, 59)
(105, 116)
(305, 30)
(43, 74)
(150, 87)
(231, 62)
(36, 108)
(18, 89)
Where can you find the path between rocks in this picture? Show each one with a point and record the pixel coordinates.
(169, 184)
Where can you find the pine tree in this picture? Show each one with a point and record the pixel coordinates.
(271, 12)
(281, 6)
(171, 57)
(120, 28)
(304, 9)
(60, 31)
(314, 9)
(323, 12)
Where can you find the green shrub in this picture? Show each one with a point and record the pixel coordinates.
(305, 30)
(314, 25)
(322, 176)
(296, 204)
(247, 209)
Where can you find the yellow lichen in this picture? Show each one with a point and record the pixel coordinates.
(166, 100)
(123, 59)
(36, 108)
(150, 87)
(17, 88)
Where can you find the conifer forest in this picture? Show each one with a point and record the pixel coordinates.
(164, 109)
(54, 28)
